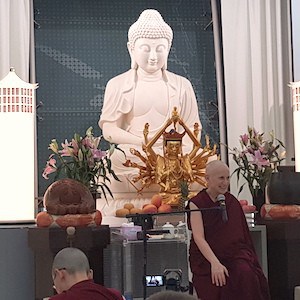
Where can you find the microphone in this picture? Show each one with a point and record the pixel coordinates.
(221, 200)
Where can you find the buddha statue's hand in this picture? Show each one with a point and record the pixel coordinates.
(117, 135)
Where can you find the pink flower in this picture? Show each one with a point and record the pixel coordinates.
(259, 160)
(50, 167)
(74, 144)
(98, 154)
(67, 149)
(256, 159)
(244, 139)
(250, 150)
(87, 143)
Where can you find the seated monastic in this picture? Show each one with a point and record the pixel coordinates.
(147, 93)
(222, 256)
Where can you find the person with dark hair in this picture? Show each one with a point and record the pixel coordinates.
(72, 278)
(222, 256)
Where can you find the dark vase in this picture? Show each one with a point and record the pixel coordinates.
(95, 195)
(259, 201)
(284, 188)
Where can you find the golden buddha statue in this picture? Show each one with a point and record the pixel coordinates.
(173, 167)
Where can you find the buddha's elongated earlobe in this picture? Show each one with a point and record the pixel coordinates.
(134, 65)
(164, 67)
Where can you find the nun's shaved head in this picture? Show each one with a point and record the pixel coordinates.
(217, 178)
(71, 259)
(215, 166)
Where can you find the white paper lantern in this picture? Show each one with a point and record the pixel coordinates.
(17, 149)
(296, 116)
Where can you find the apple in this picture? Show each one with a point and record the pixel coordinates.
(164, 208)
(43, 219)
(243, 202)
(249, 208)
(156, 200)
(150, 209)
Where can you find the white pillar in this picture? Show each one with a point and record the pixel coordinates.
(17, 149)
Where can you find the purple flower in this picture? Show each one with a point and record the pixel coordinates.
(259, 160)
(98, 154)
(87, 142)
(250, 150)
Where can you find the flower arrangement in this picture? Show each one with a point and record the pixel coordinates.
(82, 160)
(257, 160)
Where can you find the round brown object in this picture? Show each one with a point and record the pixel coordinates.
(164, 208)
(43, 219)
(150, 209)
(136, 211)
(122, 212)
(68, 196)
(98, 217)
(157, 200)
(128, 206)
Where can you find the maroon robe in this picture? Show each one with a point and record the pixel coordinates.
(232, 244)
(88, 290)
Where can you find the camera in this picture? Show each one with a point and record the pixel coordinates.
(155, 280)
(173, 279)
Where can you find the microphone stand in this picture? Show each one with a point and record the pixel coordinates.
(145, 217)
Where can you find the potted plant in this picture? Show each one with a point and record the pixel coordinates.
(83, 160)
(256, 159)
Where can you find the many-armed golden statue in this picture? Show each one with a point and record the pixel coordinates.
(174, 167)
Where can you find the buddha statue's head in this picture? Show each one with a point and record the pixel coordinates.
(149, 42)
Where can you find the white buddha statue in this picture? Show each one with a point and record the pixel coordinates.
(147, 93)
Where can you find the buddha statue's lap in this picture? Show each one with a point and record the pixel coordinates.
(147, 93)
